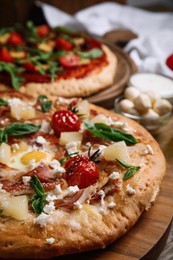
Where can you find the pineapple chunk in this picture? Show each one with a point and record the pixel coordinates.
(83, 109)
(100, 119)
(5, 153)
(22, 112)
(118, 151)
(45, 47)
(4, 38)
(67, 137)
(18, 54)
(16, 207)
(34, 155)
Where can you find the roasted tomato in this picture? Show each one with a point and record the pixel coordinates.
(65, 121)
(43, 30)
(29, 66)
(81, 171)
(5, 55)
(15, 39)
(63, 44)
(69, 60)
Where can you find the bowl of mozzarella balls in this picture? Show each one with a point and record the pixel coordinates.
(147, 108)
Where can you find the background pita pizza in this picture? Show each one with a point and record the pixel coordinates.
(75, 177)
(41, 60)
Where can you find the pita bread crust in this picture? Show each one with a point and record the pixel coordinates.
(98, 79)
(87, 228)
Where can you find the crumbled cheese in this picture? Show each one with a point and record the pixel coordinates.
(49, 208)
(111, 205)
(15, 147)
(1, 189)
(26, 179)
(130, 190)
(114, 176)
(56, 166)
(50, 240)
(58, 189)
(51, 132)
(148, 150)
(78, 205)
(102, 194)
(32, 164)
(14, 102)
(72, 147)
(42, 219)
(72, 190)
(123, 125)
(40, 140)
(51, 197)
(45, 127)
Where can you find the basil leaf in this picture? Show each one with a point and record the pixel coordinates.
(17, 129)
(41, 98)
(3, 102)
(3, 136)
(46, 106)
(125, 165)
(37, 201)
(92, 54)
(105, 132)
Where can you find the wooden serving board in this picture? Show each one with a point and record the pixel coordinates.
(125, 68)
(146, 239)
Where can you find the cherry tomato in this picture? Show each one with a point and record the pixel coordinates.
(81, 171)
(63, 44)
(15, 39)
(43, 30)
(29, 66)
(65, 121)
(5, 55)
(69, 60)
(169, 62)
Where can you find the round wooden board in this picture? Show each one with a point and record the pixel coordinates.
(146, 239)
(125, 68)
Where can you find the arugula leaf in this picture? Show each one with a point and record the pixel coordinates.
(13, 71)
(132, 169)
(62, 29)
(46, 106)
(92, 54)
(3, 102)
(105, 132)
(3, 136)
(17, 129)
(38, 200)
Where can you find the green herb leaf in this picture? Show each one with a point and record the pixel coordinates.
(38, 201)
(46, 106)
(3, 136)
(41, 98)
(107, 133)
(92, 54)
(14, 72)
(132, 169)
(17, 129)
(3, 102)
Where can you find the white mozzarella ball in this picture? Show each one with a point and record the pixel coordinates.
(131, 93)
(162, 106)
(142, 103)
(152, 95)
(151, 114)
(125, 105)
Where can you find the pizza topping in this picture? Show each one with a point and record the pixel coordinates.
(38, 200)
(130, 190)
(5, 55)
(15, 39)
(114, 176)
(43, 30)
(63, 44)
(69, 60)
(104, 131)
(50, 240)
(26, 179)
(65, 121)
(92, 54)
(132, 169)
(42, 219)
(148, 149)
(81, 171)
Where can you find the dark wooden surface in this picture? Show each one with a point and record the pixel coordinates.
(12, 11)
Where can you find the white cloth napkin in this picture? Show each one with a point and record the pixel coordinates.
(155, 30)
